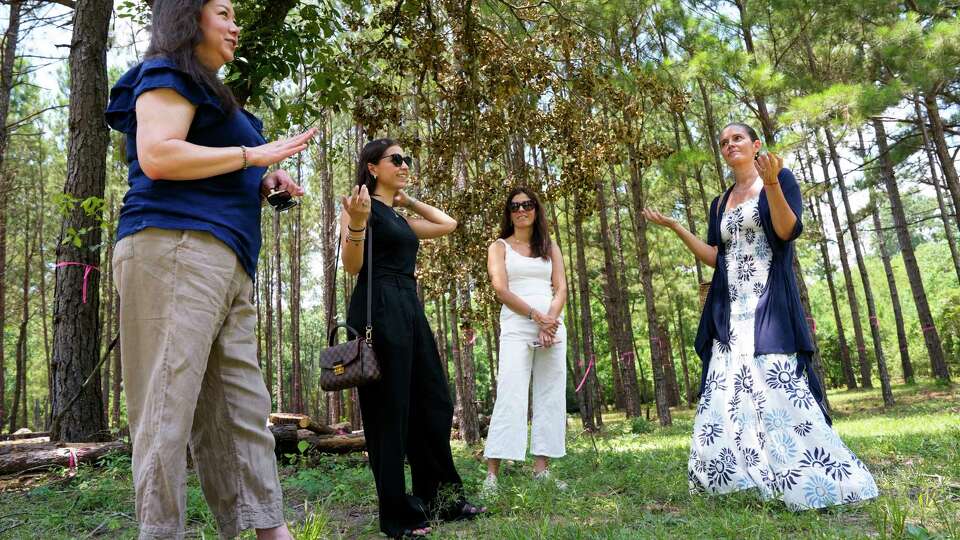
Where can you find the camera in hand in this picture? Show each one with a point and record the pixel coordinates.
(281, 200)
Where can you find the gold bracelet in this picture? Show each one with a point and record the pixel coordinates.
(357, 240)
(243, 153)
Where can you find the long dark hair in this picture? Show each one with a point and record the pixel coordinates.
(540, 239)
(371, 153)
(175, 33)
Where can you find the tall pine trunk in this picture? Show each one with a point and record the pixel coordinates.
(76, 326)
(278, 302)
(657, 360)
(10, 38)
(885, 389)
(845, 364)
(947, 165)
(466, 408)
(612, 289)
(902, 341)
(854, 303)
(938, 365)
(591, 417)
(948, 228)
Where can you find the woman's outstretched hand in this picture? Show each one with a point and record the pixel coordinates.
(653, 216)
(277, 151)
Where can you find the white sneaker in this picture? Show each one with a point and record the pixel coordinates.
(545, 476)
(489, 488)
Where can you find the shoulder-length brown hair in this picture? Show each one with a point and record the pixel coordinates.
(540, 244)
(174, 34)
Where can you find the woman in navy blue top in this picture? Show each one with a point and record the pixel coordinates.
(760, 423)
(187, 246)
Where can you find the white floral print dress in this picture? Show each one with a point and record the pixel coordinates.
(757, 425)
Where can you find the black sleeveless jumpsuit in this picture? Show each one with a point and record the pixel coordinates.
(408, 413)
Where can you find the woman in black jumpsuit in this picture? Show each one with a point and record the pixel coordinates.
(408, 413)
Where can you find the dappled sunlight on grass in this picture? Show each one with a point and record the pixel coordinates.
(627, 482)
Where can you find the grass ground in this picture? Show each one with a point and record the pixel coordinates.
(628, 482)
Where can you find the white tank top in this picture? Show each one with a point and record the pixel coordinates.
(527, 276)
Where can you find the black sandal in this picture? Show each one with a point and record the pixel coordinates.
(462, 511)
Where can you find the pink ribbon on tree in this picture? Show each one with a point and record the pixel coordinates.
(585, 373)
(86, 273)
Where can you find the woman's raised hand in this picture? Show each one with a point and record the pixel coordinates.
(653, 216)
(769, 166)
(357, 205)
(277, 151)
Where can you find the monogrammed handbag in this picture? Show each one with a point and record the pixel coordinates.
(352, 363)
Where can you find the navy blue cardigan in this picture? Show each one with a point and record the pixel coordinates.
(780, 323)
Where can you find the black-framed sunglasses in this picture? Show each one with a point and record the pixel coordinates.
(528, 204)
(399, 159)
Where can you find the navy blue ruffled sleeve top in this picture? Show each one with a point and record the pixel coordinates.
(227, 206)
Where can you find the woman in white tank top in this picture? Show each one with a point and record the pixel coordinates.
(526, 270)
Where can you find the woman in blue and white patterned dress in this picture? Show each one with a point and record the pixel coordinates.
(760, 423)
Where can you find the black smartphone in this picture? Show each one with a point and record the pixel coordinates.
(281, 200)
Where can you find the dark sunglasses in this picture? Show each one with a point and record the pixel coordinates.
(526, 205)
(399, 159)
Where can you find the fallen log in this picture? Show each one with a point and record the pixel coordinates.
(23, 435)
(26, 445)
(58, 457)
(288, 438)
(302, 421)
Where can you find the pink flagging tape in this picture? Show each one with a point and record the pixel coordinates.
(585, 373)
(86, 273)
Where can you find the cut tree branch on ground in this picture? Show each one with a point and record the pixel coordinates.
(58, 457)
(288, 438)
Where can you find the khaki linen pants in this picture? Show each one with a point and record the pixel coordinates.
(188, 347)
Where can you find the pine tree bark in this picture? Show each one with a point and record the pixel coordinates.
(117, 367)
(854, 303)
(572, 321)
(885, 389)
(465, 405)
(905, 363)
(108, 317)
(938, 365)
(612, 289)
(42, 273)
(948, 228)
(295, 264)
(947, 165)
(628, 357)
(670, 368)
(20, 386)
(713, 133)
(10, 39)
(266, 287)
(657, 361)
(278, 302)
(689, 393)
(845, 364)
(76, 330)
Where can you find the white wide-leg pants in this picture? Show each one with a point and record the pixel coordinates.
(519, 363)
